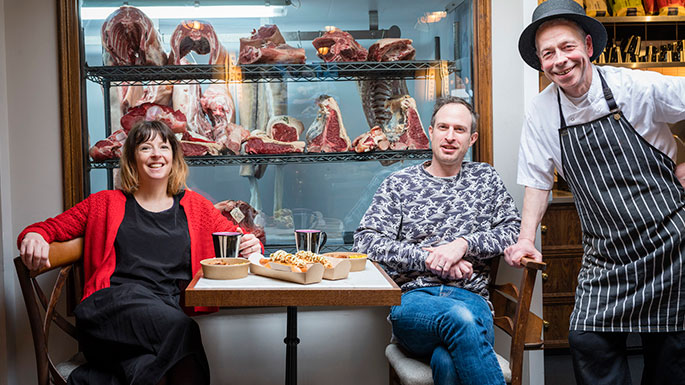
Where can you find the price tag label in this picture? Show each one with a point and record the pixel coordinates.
(237, 215)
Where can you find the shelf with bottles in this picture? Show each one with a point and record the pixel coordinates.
(644, 41)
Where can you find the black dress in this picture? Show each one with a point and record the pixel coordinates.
(134, 331)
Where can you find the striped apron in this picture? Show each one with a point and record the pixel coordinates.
(632, 213)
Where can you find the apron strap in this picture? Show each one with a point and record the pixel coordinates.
(608, 95)
(561, 114)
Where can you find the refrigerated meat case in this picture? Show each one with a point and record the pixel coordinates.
(329, 191)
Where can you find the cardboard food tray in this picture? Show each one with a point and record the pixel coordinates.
(356, 264)
(314, 273)
(341, 269)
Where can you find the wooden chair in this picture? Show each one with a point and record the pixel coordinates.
(63, 256)
(512, 315)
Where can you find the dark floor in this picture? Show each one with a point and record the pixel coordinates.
(559, 369)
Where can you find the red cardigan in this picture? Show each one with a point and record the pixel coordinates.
(98, 217)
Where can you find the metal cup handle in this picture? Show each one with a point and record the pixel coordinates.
(322, 241)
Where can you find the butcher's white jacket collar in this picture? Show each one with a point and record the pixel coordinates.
(648, 99)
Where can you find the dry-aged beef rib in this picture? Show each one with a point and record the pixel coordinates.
(374, 94)
(339, 46)
(272, 54)
(260, 143)
(327, 132)
(176, 120)
(198, 36)
(109, 148)
(391, 50)
(268, 33)
(284, 128)
(404, 130)
(372, 140)
(194, 145)
(243, 215)
(267, 46)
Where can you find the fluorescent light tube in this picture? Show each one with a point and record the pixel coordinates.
(192, 12)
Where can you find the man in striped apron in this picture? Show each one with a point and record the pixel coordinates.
(605, 131)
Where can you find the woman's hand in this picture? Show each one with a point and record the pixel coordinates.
(34, 251)
(249, 244)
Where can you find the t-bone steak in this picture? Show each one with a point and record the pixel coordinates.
(284, 128)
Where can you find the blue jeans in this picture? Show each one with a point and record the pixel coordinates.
(454, 327)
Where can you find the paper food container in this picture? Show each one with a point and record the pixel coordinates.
(341, 269)
(225, 268)
(314, 273)
(357, 263)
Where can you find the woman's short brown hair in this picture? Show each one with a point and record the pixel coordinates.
(141, 133)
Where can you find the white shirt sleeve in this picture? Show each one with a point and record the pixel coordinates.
(535, 164)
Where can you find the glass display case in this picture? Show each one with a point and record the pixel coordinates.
(329, 191)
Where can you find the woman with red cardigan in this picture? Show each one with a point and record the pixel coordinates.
(141, 245)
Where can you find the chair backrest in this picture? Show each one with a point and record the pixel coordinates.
(63, 256)
(513, 316)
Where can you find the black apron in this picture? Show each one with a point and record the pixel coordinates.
(632, 213)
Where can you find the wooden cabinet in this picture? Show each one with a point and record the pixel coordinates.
(562, 251)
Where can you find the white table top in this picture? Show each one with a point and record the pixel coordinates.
(370, 277)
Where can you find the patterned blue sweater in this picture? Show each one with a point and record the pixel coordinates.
(413, 209)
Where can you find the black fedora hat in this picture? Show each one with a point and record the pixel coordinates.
(560, 9)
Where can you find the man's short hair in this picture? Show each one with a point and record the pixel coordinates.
(443, 101)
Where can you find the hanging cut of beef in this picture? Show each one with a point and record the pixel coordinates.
(198, 36)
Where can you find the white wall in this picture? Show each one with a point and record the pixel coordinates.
(513, 85)
(5, 223)
(30, 160)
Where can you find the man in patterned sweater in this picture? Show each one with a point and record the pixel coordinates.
(434, 227)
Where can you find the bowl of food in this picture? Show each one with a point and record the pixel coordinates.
(357, 260)
(225, 268)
